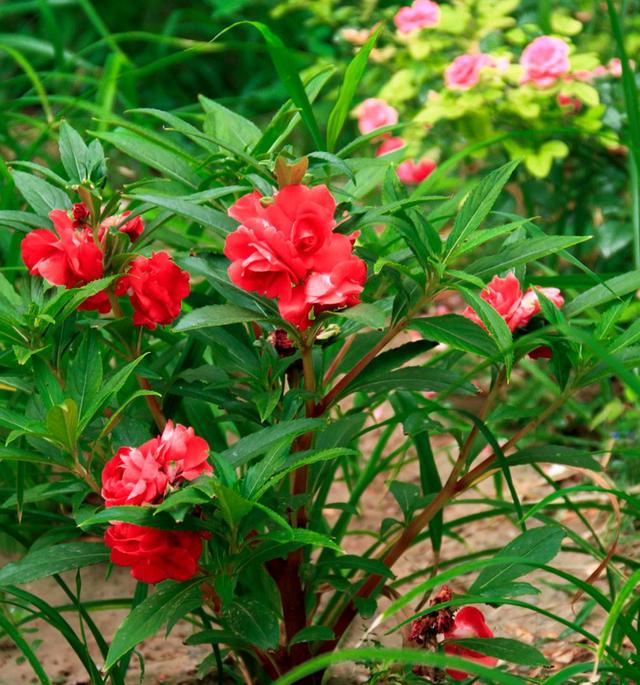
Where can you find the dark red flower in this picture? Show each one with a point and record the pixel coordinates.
(154, 555)
(156, 287)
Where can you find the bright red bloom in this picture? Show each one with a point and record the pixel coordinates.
(156, 287)
(304, 216)
(413, 173)
(505, 296)
(572, 104)
(154, 555)
(69, 256)
(468, 622)
(141, 475)
(286, 248)
(263, 260)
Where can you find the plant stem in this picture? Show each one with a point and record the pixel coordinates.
(353, 373)
(134, 352)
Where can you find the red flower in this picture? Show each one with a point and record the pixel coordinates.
(468, 622)
(389, 145)
(263, 260)
(412, 173)
(304, 215)
(132, 228)
(156, 287)
(286, 248)
(139, 475)
(134, 476)
(154, 555)
(505, 296)
(69, 256)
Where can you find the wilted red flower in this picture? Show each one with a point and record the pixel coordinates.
(412, 173)
(69, 256)
(505, 296)
(156, 287)
(132, 228)
(286, 248)
(154, 555)
(140, 475)
(468, 622)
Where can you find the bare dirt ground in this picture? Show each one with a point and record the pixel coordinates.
(168, 661)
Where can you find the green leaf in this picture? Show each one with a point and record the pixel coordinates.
(151, 154)
(523, 252)
(148, 617)
(228, 126)
(110, 388)
(41, 196)
(62, 423)
(254, 621)
(216, 315)
(536, 545)
(302, 537)
(476, 206)
(234, 507)
(417, 378)
(219, 222)
(73, 153)
(514, 651)
(554, 454)
(284, 61)
(15, 454)
(365, 314)
(611, 289)
(495, 324)
(25, 649)
(84, 378)
(312, 634)
(259, 442)
(48, 561)
(457, 332)
(347, 91)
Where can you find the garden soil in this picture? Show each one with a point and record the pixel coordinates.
(169, 662)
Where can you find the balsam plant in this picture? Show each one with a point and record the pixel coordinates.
(198, 428)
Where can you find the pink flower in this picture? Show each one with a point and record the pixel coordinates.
(154, 555)
(412, 173)
(545, 60)
(141, 475)
(389, 145)
(156, 287)
(505, 296)
(464, 72)
(468, 622)
(375, 113)
(421, 14)
(615, 67)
